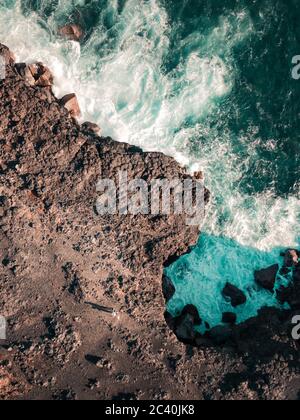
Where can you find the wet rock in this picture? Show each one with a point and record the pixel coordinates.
(282, 294)
(184, 324)
(284, 271)
(199, 175)
(72, 32)
(201, 341)
(184, 328)
(296, 274)
(70, 102)
(266, 278)
(35, 74)
(168, 288)
(236, 296)
(91, 128)
(170, 320)
(41, 74)
(291, 258)
(193, 311)
(220, 334)
(8, 56)
(229, 318)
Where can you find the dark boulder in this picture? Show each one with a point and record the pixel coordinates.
(229, 318)
(236, 296)
(290, 295)
(185, 328)
(266, 278)
(91, 128)
(70, 102)
(72, 32)
(168, 288)
(36, 74)
(282, 294)
(7, 55)
(170, 320)
(220, 334)
(284, 271)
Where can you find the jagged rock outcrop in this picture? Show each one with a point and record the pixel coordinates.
(229, 318)
(35, 74)
(291, 258)
(49, 168)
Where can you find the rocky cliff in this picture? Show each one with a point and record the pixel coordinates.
(82, 293)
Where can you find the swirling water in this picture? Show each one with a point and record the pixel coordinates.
(207, 82)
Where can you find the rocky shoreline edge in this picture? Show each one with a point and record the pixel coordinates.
(60, 260)
(184, 324)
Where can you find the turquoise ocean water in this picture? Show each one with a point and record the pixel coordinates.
(208, 82)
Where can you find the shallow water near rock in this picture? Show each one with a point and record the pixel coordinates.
(200, 277)
(206, 82)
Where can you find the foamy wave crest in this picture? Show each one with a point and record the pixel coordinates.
(118, 73)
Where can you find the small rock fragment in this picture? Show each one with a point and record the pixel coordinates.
(168, 288)
(236, 296)
(72, 32)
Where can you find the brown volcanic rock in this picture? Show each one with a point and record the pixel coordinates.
(184, 324)
(91, 128)
(63, 268)
(70, 102)
(229, 318)
(35, 74)
(49, 168)
(266, 278)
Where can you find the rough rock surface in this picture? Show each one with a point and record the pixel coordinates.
(234, 294)
(70, 102)
(83, 294)
(266, 278)
(229, 318)
(72, 32)
(291, 258)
